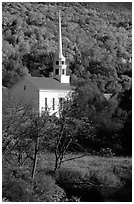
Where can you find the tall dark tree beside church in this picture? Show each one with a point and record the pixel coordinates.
(126, 133)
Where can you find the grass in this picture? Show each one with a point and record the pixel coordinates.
(93, 178)
(87, 179)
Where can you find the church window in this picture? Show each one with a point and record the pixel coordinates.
(62, 62)
(53, 103)
(63, 71)
(57, 71)
(57, 62)
(45, 104)
(24, 88)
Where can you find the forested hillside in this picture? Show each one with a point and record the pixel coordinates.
(97, 41)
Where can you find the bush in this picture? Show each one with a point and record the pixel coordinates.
(46, 190)
(15, 189)
(19, 187)
(16, 184)
(123, 173)
(68, 176)
(76, 186)
(106, 152)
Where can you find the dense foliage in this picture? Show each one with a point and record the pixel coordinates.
(97, 41)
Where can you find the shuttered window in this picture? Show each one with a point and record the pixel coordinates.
(53, 103)
(45, 103)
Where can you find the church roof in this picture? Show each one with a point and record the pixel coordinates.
(49, 83)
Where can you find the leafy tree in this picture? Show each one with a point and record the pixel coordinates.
(64, 137)
(104, 118)
(126, 132)
(24, 134)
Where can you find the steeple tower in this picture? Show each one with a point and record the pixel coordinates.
(60, 38)
(60, 62)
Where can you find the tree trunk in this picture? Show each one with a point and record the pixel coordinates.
(35, 158)
(56, 162)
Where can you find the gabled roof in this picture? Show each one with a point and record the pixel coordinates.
(49, 83)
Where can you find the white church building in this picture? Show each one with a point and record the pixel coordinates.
(46, 94)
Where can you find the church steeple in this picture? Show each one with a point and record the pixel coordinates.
(60, 38)
(60, 62)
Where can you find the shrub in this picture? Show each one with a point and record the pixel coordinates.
(68, 176)
(123, 173)
(45, 189)
(15, 189)
(16, 186)
(19, 187)
(76, 186)
(106, 152)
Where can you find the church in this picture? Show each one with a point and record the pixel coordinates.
(46, 94)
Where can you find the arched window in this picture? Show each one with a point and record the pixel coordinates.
(62, 62)
(57, 62)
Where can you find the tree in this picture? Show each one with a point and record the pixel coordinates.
(63, 139)
(104, 118)
(23, 129)
(126, 132)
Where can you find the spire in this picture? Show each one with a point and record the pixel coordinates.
(60, 38)
(60, 61)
